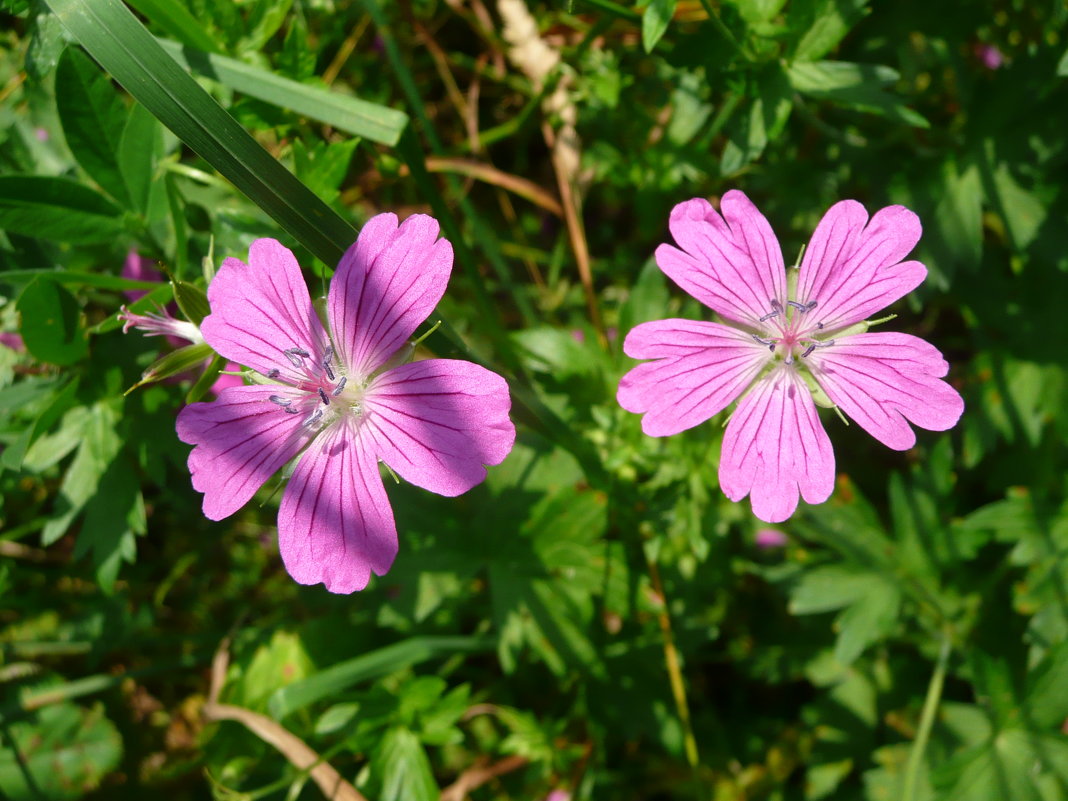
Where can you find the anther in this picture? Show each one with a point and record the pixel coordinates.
(789, 359)
(819, 325)
(769, 315)
(324, 397)
(763, 341)
(290, 410)
(313, 419)
(273, 373)
(340, 386)
(808, 350)
(810, 305)
(799, 306)
(294, 355)
(280, 400)
(328, 355)
(329, 372)
(826, 344)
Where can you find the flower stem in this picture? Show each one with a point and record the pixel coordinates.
(923, 734)
(671, 660)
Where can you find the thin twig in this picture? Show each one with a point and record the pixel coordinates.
(477, 775)
(299, 755)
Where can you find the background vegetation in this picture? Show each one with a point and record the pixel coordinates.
(596, 620)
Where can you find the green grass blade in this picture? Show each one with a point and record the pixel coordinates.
(352, 115)
(123, 47)
(391, 658)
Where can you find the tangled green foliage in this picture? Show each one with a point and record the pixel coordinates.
(595, 621)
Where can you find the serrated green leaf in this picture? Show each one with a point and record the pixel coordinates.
(822, 24)
(57, 209)
(50, 323)
(114, 515)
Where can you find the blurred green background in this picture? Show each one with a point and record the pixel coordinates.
(595, 621)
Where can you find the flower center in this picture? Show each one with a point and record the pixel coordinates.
(792, 331)
(327, 393)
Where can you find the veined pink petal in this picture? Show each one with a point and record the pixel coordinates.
(261, 309)
(335, 524)
(437, 422)
(852, 267)
(883, 379)
(388, 282)
(775, 447)
(733, 266)
(241, 440)
(700, 369)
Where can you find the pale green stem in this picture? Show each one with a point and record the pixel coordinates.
(923, 734)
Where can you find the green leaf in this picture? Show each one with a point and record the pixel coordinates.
(376, 663)
(174, 17)
(855, 85)
(57, 209)
(358, 117)
(93, 117)
(957, 235)
(113, 516)
(139, 150)
(115, 38)
(50, 323)
(823, 24)
(271, 16)
(655, 20)
(100, 444)
(746, 140)
(1046, 702)
(61, 753)
(11, 457)
(403, 769)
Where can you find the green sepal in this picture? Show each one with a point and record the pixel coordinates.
(862, 326)
(192, 301)
(178, 361)
(819, 396)
(207, 378)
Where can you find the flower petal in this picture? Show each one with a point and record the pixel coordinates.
(335, 524)
(852, 267)
(388, 282)
(261, 309)
(437, 422)
(883, 379)
(775, 447)
(700, 369)
(241, 440)
(735, 266)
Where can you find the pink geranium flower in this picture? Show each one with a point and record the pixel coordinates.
(786, 343)
(340, 395)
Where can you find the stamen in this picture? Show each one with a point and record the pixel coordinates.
(789, 359)
(280, 400)
(763, 341)
(799, 306)
(294, 355)
(808, 350)
(290, 410)
(328, 355)
(811, 305)
(315, 418)
(340, 386)
(819, 325)
(769, 315)
(329, 372)
(826, 344)
(324, 397)
(273, 373)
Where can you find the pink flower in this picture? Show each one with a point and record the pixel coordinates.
(786, 343)
(342, 398)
